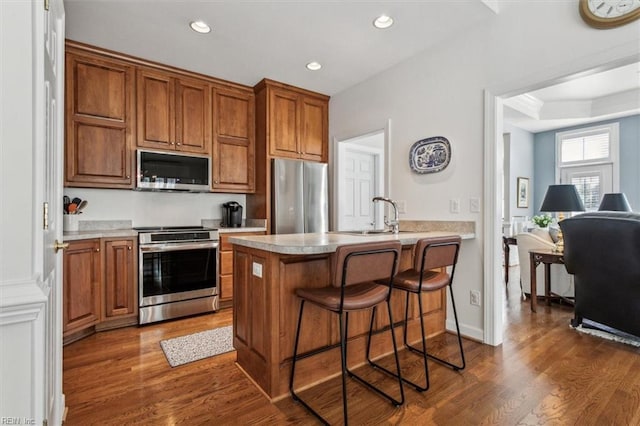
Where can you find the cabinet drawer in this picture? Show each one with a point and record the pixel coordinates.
(226, 262)
(226, 287)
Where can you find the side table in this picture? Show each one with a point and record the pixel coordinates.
(547, 257)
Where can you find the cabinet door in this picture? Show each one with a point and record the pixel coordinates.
(81, 285)
(99, 122)
(283, 124)
(120, 292)
(234, 140)
(313, 129)
(193, 128)
(156, 117)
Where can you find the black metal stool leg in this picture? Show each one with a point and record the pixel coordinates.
(455, 316)
(343, 359)
(433, 357)
(294, 396)
(422, 352)
(397, 375)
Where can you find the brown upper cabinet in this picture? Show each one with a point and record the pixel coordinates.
(173, 112)
(99, 121)
(233, 151)
(296, 121)
(290, 123)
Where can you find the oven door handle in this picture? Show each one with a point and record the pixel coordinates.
(157, 248)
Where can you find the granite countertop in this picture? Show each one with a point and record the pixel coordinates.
(89, 229)
(327, 242)
(242, 229)
(104, 233)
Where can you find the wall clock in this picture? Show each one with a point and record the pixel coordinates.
(609, 13)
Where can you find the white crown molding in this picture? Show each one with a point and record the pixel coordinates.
(20, 301)
(526, 104)
(623, 102)
(492, 4)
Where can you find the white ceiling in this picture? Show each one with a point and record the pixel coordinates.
(251, 40)
(605, 95)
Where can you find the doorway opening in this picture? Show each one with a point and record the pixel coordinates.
(494, 170)
(360, 176)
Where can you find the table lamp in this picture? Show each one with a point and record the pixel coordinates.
(560, 199)
(615, 202)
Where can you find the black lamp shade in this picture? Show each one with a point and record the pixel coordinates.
(562, 198)
(615, 202)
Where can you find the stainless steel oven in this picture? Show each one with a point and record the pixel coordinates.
(178, 272)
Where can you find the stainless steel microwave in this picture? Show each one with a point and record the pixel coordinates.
(164, 171)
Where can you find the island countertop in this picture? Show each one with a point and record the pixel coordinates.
(318, 243)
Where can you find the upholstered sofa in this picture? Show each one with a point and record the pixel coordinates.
(602, 251)
(561, 281)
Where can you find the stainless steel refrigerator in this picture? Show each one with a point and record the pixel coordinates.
(300, 197)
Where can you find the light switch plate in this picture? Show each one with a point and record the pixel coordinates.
(474, 205)
(402, 206)
(454, 205)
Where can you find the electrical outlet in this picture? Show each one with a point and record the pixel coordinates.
(474, 205)
(474, 297)
(454, 205)
(402, 206)
(257, 269)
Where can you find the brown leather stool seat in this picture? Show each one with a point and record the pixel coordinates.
(362, 278)
(431, 258)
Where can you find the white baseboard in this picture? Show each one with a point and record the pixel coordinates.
(466, 331)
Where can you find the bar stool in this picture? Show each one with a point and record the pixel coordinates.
(356, 267)
(430, 253)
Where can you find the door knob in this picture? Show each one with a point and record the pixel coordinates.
(60, 246)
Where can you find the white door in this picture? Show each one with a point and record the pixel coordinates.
(357, 189)
(591, 181)
(51, 183)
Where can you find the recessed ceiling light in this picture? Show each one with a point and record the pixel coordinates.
(314, 66)
(383, 21)
(200, 27)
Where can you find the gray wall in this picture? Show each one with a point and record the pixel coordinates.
(545, 157)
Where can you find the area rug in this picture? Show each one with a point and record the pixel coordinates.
(616, 337)
(193, 347)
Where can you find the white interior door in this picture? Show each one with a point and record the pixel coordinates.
(591, 181)
(358, 186)
(51, 184)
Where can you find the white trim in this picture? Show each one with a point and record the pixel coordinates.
(492, 220)
(527, 104)
(20, 293)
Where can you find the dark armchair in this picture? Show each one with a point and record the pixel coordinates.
(602, 251)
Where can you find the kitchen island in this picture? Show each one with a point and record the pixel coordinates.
(268, 269)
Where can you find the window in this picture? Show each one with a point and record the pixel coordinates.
(588, 159)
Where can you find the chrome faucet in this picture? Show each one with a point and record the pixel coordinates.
(395, 223)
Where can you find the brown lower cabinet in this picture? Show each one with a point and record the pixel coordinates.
(226, 267)
(100, 286)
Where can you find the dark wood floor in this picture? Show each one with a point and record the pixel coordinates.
(543, 373)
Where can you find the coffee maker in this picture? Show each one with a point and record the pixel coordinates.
(231, 215)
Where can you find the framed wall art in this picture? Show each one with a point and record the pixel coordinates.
(523, 193)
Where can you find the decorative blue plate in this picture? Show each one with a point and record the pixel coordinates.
(430, 155)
